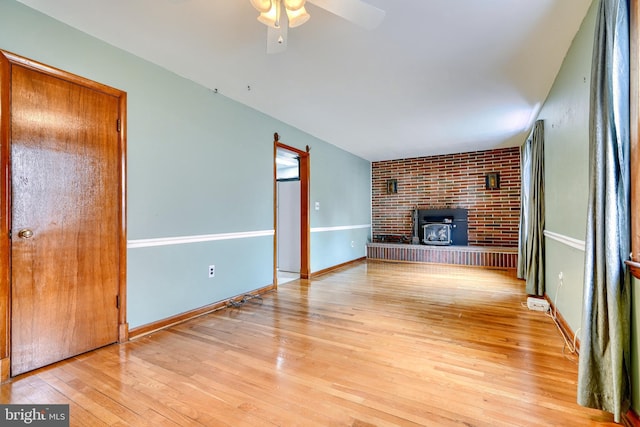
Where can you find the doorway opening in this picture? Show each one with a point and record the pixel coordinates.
(288, 215)
(291, 213)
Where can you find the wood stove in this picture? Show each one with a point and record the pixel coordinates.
(441, 226)
(437, 233)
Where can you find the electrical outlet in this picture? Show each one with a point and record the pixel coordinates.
(212, 271)
(353, 244)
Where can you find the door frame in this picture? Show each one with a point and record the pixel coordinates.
(305, 227)
(7, 60)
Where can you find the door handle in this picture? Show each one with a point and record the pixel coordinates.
(25, 233)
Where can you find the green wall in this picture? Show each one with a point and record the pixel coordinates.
(566, 130)
(341, 191)
(199, 164)
(566, 119)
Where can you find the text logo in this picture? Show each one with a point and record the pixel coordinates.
(34, 415)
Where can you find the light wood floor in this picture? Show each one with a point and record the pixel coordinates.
(375, 344)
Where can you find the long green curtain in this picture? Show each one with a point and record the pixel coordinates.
(531, 238)
(525, 172)
(603, 375)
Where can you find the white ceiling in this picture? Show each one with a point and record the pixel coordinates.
(436, 77)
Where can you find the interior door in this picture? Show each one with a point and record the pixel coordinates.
(64, 218)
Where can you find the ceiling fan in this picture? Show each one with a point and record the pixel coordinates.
(280, 15)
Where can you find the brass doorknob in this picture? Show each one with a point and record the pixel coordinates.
(25, 233)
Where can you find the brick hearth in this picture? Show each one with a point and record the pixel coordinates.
(497, 257)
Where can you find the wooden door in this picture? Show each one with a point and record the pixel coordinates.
(65, 225)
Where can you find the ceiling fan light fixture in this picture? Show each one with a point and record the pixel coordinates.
(271, 18)
(297, 17)
(292, 5)
(262, 6)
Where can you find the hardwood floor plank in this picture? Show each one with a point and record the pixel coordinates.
(375, 344)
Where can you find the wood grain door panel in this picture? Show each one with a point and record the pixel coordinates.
(65, 189)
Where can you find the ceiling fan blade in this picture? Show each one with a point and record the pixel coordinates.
(277, 38)
(356, 11)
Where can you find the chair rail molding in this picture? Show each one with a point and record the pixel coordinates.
(165, 241)
(339, 228)
(569, 241)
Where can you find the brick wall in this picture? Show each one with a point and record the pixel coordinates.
(451, 181)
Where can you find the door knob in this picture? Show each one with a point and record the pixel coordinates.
(25, 233)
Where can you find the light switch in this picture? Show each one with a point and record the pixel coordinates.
(317, 206)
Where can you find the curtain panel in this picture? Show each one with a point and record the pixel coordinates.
(531, 238)
(604, 363)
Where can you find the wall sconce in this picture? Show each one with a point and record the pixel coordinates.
(492, 181)
(392, 186)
